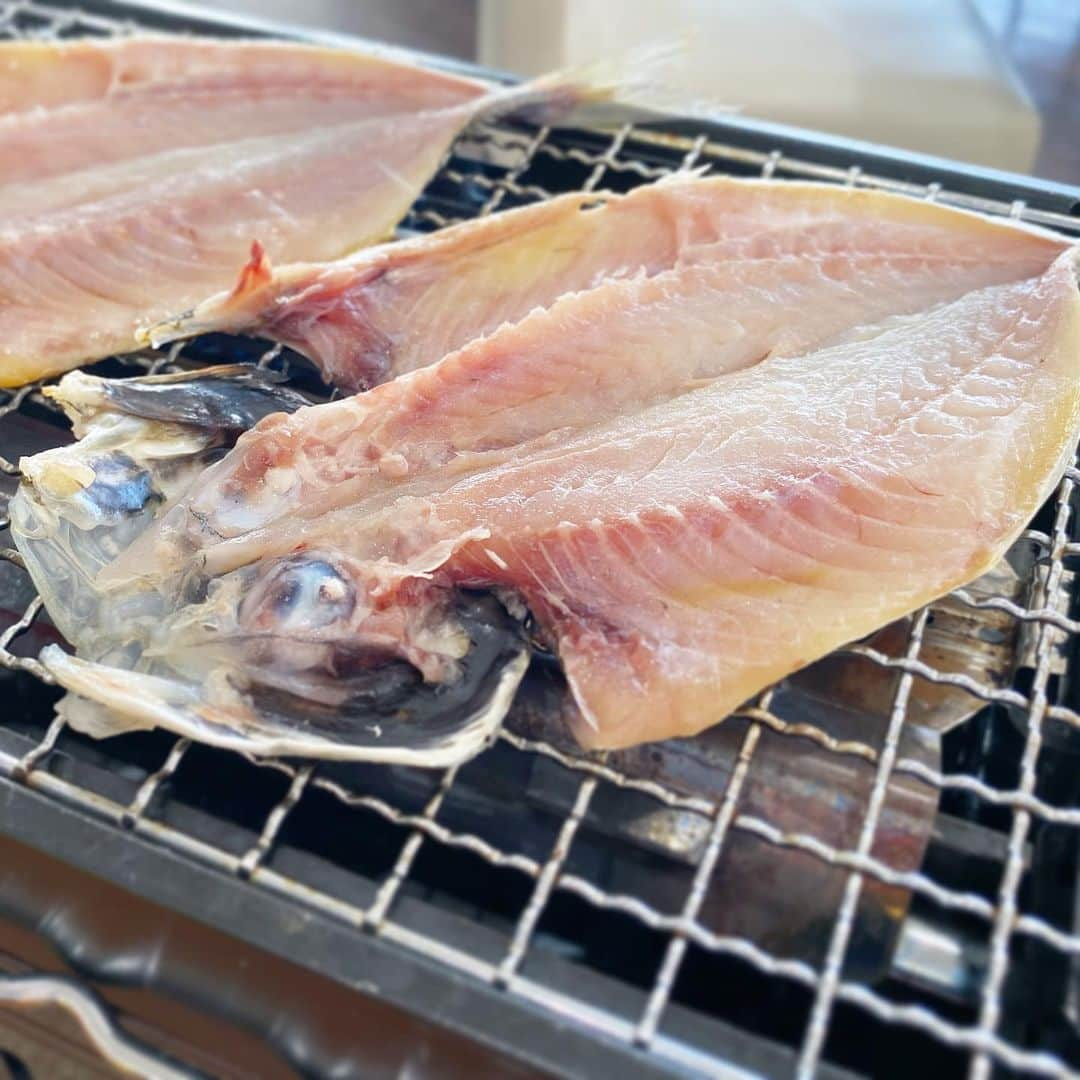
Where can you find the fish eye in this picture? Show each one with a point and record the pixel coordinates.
(299, 592)
(120, 487)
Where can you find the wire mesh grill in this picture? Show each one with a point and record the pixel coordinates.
(1021, 795)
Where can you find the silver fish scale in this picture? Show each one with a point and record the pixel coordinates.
(492, 167)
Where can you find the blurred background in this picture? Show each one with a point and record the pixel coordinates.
(993, 82)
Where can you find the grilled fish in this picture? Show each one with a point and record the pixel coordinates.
(390, 309)
(696, 482)
(134, 175)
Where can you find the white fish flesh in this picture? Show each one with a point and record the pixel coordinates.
(136, 174)
(388, 310)
(696, 482)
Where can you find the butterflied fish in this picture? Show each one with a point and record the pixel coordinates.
(393, 308)
(135, 174)
(805, 463)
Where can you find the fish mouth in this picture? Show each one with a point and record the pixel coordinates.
(386, 712)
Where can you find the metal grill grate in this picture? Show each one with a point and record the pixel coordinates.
(1007, 771)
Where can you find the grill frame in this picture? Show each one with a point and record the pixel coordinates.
(56, 796)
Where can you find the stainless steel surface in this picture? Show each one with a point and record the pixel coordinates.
(928, 675)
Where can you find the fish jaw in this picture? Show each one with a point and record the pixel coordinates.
(389, 717)
(130, 701)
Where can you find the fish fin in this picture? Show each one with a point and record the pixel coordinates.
(222, 397)
(255, 275)
(260, 305)
(256, 272)
(682, 175)
(232, 310)
(644, 83)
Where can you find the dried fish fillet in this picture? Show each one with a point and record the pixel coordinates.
(391, 309)
(136, 174)
(76, 105)
(686, 558)
(696, 481)
(683, 557)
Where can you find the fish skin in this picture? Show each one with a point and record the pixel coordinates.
(635, 342)
(391, 309)
(124, 236)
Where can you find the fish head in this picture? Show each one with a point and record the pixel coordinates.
(142, 442)
(280, 661)
(307, 653)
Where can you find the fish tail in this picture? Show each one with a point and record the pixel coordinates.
(633, 78)
(643, 82)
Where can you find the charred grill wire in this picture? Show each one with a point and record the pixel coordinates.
(796, 896)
